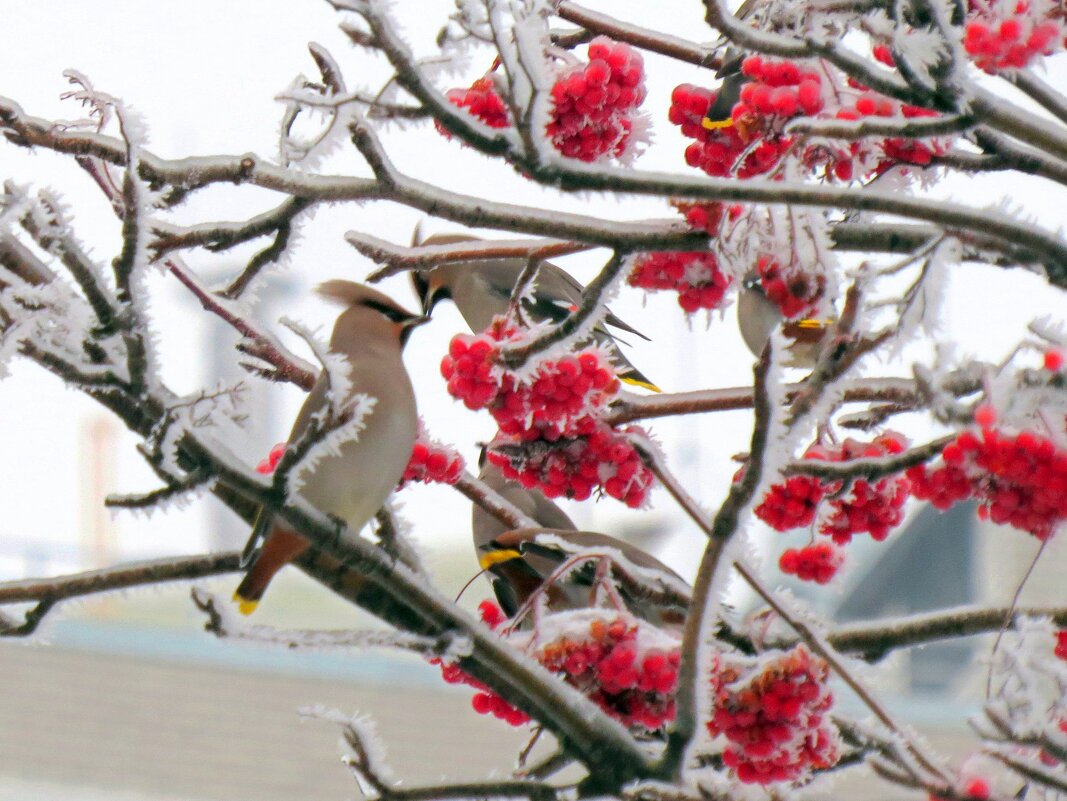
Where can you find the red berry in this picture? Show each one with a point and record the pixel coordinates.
(985, 415)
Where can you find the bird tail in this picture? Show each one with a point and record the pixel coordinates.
(636, 379)
(626, 372)
(280, 548)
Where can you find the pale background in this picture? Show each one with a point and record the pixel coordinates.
(203, 75)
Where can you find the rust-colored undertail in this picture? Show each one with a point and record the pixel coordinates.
(280, 548)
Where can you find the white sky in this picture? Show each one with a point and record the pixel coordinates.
(203, 75)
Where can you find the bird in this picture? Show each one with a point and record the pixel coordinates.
(486, 527)
(524, 560)
(758, 316)
(720, 113)
(353, 483)
(482, 288)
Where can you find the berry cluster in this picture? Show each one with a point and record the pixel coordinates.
(621, 664)
(432, 463)
(865, 508)
(558, 400)
(593, 103)
(777, 88)
(1053, 360)
(470, 366)
(1018, 479)
(773, 715)
(485, 701)
(707, 215)
(793, 503)
(795, 292)
(574, 467)
(1009, 35)
(480, 100)
(629, 679)
(695, 276)
(871, 508)
(550, 436)
(877, 158)
(728, 150)
(270, 464)
(818, 562)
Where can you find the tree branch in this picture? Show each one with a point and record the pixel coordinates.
(46, 592)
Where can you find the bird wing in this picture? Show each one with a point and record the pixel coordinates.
(556, 293)
(557, 281)
(315, 401)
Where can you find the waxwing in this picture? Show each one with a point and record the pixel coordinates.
(758, 316)
(482, 289)
(524, 560)
(352, 484)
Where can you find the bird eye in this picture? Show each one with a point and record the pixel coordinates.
(395, 314)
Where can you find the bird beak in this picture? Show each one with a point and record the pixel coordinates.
(409, 325)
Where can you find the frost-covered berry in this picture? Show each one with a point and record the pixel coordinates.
(773, 713)
(574, 467)
(735, 149)
(818, 562)
(791, 504)
(794, 291)
(985, 415)
(480, 100)
(625, 666)
(872, 508)
(1001, 35)
(556, 397)
(708, 215)
(1019, 479)
(270, 464)
(778, 88)
(593, 104)
(1061, 645)
(695, 276)
(432, 463)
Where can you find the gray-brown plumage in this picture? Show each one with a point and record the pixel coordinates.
(758, 316)
(524, 560)
(481, 289)
(485, 528)
(353, 483)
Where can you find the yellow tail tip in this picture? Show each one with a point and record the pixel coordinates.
(811, 322)
(716, 125)
(245, 606)
(637, 382)
(487, 560)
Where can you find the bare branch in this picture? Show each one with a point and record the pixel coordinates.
(222, 624)
(874, 640)
(906, 393)
(871, 469)
(46, 592)
(193, 482)
(653, 41)
(482, 494)
(719, 532)
(289, 367)
(398, 258)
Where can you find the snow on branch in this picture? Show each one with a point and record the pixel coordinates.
(45, 593)
(223, 623)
